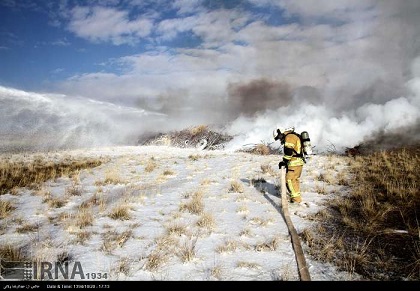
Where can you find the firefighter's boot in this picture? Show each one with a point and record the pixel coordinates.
(296, 199)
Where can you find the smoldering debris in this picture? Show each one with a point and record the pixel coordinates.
(200, 137)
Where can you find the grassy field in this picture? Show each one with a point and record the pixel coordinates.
(375, 230)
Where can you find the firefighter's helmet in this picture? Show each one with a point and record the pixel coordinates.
(285, 129)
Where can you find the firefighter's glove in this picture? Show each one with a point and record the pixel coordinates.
(282, 164)
(276, 134)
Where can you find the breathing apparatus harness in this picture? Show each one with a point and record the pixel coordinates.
(305, 141)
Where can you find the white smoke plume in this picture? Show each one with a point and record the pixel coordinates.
(34, 121)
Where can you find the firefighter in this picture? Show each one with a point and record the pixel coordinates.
(292, 160)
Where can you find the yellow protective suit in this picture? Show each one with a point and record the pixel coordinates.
(293, 157)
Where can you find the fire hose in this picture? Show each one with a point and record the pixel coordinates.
(300, 257)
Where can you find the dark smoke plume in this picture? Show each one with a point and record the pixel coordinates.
(258, 96)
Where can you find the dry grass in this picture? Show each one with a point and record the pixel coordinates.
(374, 231)
(154, 260)
(236, 187)
(6, 208)
(38, 168)
(160, 254)
(260, 221)
(84, 218)
(195, 205)
(187, 251)
(321, 188)
(326, 177)
(267, 169)
(82, 236)
(168, 173)
(246, 232)
(206, 220)
(14, 253)
(123, 267)
(176, 229)
(27, 227)
(55, 202)
(216, 272)
(242, 209)
(150, 165)
(73, 190)
(112, 240)
(112, 176)
(247, 265)
(228, 247)
(269, 245)
(194, 157)
(121, 212)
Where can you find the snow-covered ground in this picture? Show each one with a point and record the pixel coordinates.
(190, 215)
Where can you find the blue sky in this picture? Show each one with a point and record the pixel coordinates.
(217, 61)
(47, 41)
(44, 44)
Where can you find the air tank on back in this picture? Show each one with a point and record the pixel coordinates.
(307, 148)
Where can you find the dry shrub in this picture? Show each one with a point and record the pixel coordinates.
(112, 176)
(176, 229)
(120, 212)
(6, 208)
(187, 251)
(84, 218)
(154, 260)
(206, 220)
(195, 205)
(166, 243)
(73, 190)
(236, 187)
